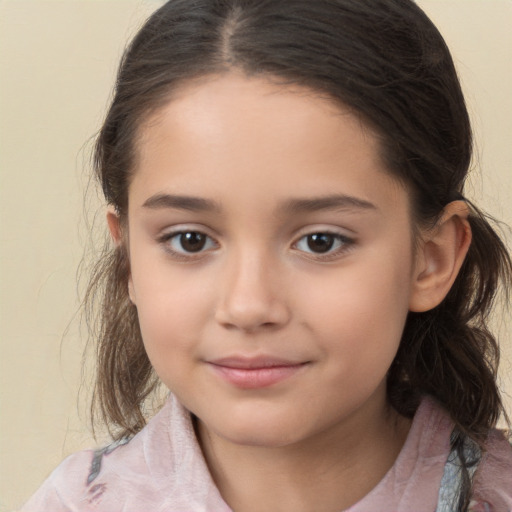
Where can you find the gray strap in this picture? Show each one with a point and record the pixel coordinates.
(452, 476)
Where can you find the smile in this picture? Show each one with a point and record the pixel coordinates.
(254, 373)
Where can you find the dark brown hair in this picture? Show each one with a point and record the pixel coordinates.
(386, 61)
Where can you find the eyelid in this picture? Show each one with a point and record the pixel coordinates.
(169, 233)
(324, 228)
(348, 242)
(175, 229)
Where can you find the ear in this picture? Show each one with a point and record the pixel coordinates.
(116, 231)
(114, 226)
(439, 257)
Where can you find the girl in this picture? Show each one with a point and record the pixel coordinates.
(295, 260)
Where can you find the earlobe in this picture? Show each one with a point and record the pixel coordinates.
(440, 257)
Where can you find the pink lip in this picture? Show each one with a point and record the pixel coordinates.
(257, 372)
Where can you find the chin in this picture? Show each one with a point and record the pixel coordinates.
(261, 432)
(270, 439)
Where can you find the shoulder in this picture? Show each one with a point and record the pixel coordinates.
(95, 479)
(98, 480)
(493, 479)
(491, 473)
(67, 480)
(161, 468)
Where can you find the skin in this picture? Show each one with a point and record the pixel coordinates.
(323, 437)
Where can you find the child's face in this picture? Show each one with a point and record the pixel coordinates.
(298, 256)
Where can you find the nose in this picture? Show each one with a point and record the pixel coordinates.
(253, 297)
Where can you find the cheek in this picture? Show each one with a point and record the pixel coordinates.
(172, 308)
(362, 310)
(170, 329)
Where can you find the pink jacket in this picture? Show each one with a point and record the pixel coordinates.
(162, 469)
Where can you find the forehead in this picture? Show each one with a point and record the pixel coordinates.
(231, 104)
(256, 138)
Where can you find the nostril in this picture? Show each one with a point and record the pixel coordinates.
(250, 300)
(252, 320)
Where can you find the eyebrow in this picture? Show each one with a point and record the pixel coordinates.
(291, 206)
(330, 202)
(189, 203)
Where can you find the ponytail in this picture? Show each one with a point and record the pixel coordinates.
(449, 352)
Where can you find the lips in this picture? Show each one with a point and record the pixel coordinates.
(255, 372)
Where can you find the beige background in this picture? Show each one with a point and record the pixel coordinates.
(57, 63)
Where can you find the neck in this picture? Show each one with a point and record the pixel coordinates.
(330, 470)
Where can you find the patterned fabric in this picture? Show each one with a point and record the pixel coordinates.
(162, 469)
(98, 456)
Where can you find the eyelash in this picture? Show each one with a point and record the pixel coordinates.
(344, 244)
(167, 238)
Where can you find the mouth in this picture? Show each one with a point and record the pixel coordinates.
(255, 372)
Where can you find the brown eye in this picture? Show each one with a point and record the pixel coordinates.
(320, 242)
(324, 244)
(192, 241)
(187, 242)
